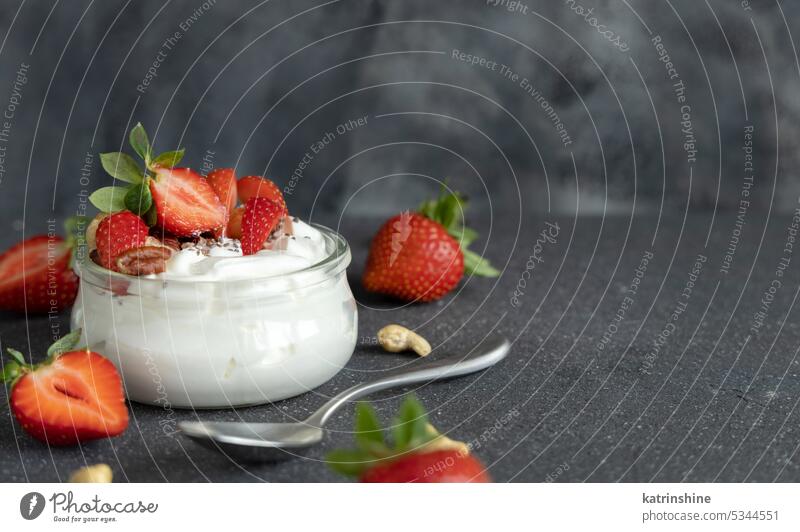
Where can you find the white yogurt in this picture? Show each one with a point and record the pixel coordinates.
(222, 329)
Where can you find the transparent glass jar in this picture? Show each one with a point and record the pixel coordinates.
(216, 344)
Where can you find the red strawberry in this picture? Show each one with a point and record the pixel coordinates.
(420, 453)
(223, 181)
(35, 276)
(259, 187)
(422, 256)
(116, 234)
(437, 466)
(70, 398)
(261, 217)
(234, 229)
(185, 203)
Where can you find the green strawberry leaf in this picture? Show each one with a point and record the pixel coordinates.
(349, 462)
(168, 159)
(121, 166)
(109, 199)
(64, 344)
(369, 436)
(474, 264)
(18, 357)
(11, 370)
(151, 216)
(464, 235)
(140, 143)
(409, 427)
(138, 199)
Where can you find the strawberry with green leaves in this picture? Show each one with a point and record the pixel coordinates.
(72, 397)
(179, 200)
(419, 453)
(422, 256)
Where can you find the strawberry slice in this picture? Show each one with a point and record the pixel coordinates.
(185, 203)
(223, 181)
(70, 398)
(261, 217)
(116, 234)
(259, 187)
(234, 229)
(35, 276)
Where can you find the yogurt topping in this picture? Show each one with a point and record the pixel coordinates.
(224, 261)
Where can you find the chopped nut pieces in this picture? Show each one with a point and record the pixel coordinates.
(145, 260)
(396, 338)
(98, 473)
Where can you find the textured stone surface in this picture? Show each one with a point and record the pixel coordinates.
(719, 402)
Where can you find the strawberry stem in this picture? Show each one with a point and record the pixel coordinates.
(409, 432)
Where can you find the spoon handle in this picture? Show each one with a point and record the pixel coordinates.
(485, 355)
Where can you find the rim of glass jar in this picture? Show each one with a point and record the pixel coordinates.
(332, 264)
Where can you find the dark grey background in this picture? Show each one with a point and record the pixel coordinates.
(258, 82)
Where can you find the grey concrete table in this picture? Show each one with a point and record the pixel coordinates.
(694, 376)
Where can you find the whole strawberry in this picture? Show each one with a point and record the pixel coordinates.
(419, 454)
(116, 234)
(36, 277)
(72, 397)
(422, 256)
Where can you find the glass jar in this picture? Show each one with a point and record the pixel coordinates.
(216, 344)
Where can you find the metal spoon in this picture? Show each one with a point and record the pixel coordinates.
(276, 441)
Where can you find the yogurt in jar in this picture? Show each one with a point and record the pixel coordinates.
(218, 329)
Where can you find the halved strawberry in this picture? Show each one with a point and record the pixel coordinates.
(185, 203)
(261, 217)
(116, 234)
(70, 398)
(259, 187)
(35, 276)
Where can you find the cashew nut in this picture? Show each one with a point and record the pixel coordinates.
(396, 338)
(441, 442)
(98, 473)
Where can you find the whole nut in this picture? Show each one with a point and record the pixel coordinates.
(440, 442)
(98, 473)
(145, 260)
(396, 338)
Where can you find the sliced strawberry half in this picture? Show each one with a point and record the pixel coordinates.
(70, 398)
(186, 204)
(261, 217)
(259, 187)
(35, 276)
